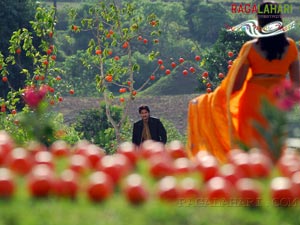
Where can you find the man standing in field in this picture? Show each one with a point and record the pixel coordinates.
(148, 128)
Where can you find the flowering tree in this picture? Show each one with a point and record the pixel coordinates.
(119, 31)
(42, 80)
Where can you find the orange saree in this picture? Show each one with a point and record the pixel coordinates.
(217, 121)
(211, 116)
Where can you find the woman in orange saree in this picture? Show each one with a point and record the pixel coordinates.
(218, 121)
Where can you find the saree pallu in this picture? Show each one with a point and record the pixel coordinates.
(213, 117)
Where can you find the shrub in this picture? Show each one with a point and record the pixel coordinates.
(22, 135)
(172, 132)
(94, 126)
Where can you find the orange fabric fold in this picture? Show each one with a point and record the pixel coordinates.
(250, 110)
(212, 117)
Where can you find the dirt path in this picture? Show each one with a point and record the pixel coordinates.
(172, 108)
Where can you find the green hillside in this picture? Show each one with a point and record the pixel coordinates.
(173, 84)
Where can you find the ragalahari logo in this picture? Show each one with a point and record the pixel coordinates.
(247, 8)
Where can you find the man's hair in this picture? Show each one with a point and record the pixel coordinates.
(144, 107)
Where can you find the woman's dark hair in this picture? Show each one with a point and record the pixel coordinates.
(144, 107)
(273, 45)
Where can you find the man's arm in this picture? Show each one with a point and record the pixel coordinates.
(135, 134)
(162, 132)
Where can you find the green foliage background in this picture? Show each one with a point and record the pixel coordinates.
(188, 27)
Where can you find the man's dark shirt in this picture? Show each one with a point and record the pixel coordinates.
(157, 130)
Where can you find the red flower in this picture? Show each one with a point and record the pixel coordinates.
(287, 96)
(286, 104)
(297, 95)
(33, 96)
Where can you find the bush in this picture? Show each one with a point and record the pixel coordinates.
(11, 124)
(172, 132)
(95, 127)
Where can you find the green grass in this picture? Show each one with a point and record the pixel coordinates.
(118, 212)
(25, 211)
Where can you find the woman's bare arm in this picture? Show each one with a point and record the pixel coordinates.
(294, 72)
(240, 78)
